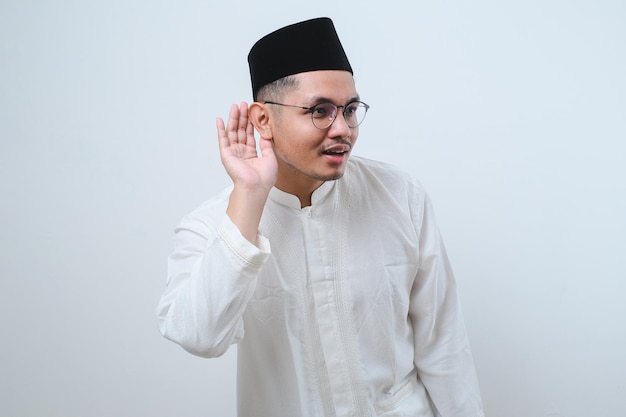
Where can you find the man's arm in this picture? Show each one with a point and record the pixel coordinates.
(218, 251)
(252, 176)
(442, 352)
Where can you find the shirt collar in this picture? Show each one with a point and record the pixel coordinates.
(290, 200)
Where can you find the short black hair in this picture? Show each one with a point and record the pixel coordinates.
(275, 90)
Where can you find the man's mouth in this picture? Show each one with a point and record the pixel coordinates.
(337, 149)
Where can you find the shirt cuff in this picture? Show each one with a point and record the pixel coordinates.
(241, 246)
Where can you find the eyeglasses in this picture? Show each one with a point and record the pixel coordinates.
(324, 114)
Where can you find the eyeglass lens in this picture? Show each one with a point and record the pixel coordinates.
(325, 113)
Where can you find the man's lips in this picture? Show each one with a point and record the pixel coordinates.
(337, 149)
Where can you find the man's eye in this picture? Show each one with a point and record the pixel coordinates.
(351, 109)
(320, 111)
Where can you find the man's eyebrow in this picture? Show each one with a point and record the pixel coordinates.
(315, 100)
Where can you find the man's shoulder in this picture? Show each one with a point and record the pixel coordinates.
(364, 170)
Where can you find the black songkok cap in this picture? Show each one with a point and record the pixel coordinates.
(311, 45)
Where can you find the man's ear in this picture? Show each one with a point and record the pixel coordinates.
(259, 116)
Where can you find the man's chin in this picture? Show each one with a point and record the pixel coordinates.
(331, 177)
(336, 177)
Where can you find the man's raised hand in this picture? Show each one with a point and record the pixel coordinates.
(252, 176)
(239, 154)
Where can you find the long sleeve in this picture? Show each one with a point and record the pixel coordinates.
(442, 353)
(211, 277)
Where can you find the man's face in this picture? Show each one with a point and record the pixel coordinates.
(308, 156)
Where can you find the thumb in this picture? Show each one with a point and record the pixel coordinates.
(267, 149)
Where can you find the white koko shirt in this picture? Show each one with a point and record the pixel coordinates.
(347, 307)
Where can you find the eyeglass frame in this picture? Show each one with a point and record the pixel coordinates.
(312, 109)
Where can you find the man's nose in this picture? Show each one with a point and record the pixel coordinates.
(339, 126)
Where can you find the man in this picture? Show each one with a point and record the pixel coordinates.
(327, 270)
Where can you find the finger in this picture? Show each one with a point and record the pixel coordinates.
(242, 128)
(222, 137)
(250, 132)
(233, 123)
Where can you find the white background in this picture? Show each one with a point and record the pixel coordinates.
(513, 115)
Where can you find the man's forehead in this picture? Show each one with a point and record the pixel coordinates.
(320, 86)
